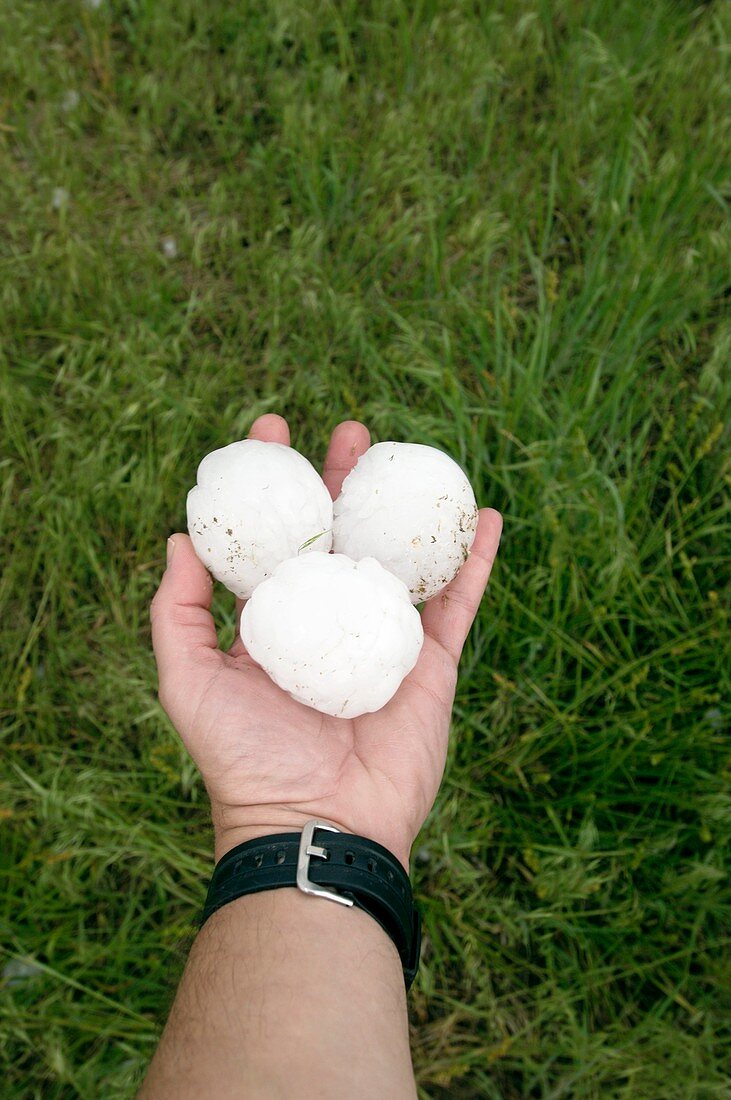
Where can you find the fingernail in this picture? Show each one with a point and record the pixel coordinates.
(170, 549)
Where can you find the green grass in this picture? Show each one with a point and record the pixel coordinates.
(497, 228)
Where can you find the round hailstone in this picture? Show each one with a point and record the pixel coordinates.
(256, 504)
(412, 508)
(335, 634)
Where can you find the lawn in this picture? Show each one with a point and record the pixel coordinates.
(498, 228)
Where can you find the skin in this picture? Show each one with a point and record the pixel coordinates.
(269, 765)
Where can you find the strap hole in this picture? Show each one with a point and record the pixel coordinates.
(371, 865)
(390, 875)
(281, 856)
(258, 859)
(350, 857)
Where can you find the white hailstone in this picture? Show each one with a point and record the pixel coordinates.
(70, 100)
(256, 504)
(169, 247)
(335, 634)
(59, 198)
(17, 971)
(413, 509)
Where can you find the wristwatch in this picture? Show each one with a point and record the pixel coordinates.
(343, 868)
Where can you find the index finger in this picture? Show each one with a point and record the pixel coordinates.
(349, 441)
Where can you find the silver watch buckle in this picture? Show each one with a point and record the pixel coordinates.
(307, 849)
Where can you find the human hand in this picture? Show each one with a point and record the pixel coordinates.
(270, 763)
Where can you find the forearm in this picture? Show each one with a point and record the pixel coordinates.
(285, 994)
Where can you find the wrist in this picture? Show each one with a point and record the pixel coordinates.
(230, 836)
(324, 862)
(249, 823)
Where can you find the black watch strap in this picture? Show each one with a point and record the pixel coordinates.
(341, 867)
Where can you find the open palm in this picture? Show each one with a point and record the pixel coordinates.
(270, 763)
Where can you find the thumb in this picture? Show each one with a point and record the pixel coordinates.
(183, 629)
